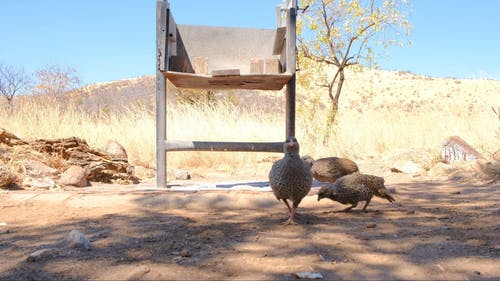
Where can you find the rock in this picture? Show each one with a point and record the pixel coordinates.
(74, 176)
(440, 169)
(308, 275)
(371, 225)
(9, 138)
(116, 151)
(39, 183)
(38, 169)
(487, 170)
(182, 174)
(185, 253)
(456, 149)
(42, 254)
(143, 173)
(406, 166)
(7, 178)
(76, 239)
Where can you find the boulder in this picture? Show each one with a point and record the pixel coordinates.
(456, 149)
(116, 151)
(182, 174)
(440, 169)
(74, 176)
(488, 170)
(39, 182)
(406, 166)
(36, 168)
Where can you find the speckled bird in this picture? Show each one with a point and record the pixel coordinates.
(353, 188)
(329, 169)
(290, 178)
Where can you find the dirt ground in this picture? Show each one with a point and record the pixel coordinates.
(437, 229)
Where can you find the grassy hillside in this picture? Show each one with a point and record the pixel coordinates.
(381, 115)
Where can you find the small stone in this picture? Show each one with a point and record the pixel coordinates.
(371, 225)
(42, 254)
(477, 272)
(74, 176)
(185, 253)
(76, 239)
(308, 275)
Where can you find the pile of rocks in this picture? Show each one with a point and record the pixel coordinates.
(61, 162)
(458, 160)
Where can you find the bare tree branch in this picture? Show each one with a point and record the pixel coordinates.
(12, 81)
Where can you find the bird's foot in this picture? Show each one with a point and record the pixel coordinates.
(290, 222)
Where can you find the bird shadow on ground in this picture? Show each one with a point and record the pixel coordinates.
(431, 232)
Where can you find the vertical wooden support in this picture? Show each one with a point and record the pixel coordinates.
(290, 68)
(161, 92)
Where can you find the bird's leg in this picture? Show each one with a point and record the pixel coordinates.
(291, 217)
(366, 205)
(287, 205)
(348, 209)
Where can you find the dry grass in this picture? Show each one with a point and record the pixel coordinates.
(381, 113)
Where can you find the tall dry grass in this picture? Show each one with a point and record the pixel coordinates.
(390, 114)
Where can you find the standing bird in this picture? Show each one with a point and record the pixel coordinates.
(331, 168)
(290, 178)
(353, 188)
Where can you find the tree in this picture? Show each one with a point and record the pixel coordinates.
(343, 33)
(12, 81)
(56, 81)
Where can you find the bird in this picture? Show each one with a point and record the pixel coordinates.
(353, 188)
(329, 169)
(290, 178)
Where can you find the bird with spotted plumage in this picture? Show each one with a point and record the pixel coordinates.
(329, 169)
(290, 178)
(354, 188)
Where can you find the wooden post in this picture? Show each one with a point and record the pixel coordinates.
(161, 92)
(290, 68)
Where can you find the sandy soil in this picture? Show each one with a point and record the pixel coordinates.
(437, 229)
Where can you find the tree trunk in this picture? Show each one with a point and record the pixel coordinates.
(334, 106)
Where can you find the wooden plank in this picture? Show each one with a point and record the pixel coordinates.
(224, 146)
(279, 40)
(257, 66)
(244, 81)
(225, 72)
(272, 66)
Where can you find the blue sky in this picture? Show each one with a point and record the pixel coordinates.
(115, 39)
